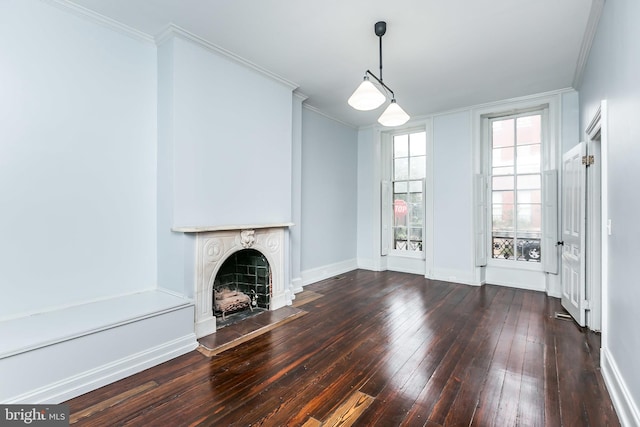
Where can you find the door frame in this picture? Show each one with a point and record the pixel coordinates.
(598, 222)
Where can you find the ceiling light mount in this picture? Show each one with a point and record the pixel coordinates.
(368, 97)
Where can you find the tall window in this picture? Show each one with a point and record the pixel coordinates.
(516, 186)
(409, 171)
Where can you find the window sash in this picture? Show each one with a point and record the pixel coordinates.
(515, 186)
(408, 172)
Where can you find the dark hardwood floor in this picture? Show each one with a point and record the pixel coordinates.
(381, 349)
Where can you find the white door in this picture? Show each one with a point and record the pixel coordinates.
(573, 232)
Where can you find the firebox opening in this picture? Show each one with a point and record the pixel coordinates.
(242, 286)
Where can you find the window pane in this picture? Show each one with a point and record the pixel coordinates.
(400, 244)
(400, 210)
(418, 144)
(502, 133)
(415, 233)
(529, 129)
(400, 233)
(507, 170)
(415, 239)
(503, 197)
(528, 182)
(415, 186)
(503, 217)
(529, 196)
(502, 182)
(415, 198)
(415, 214)
(529, 218)
(400, 187)
(502, 157)
(401, 146)
(401, 169)
(528, 158)
(529, 250)
(503, 248)
(418, 167)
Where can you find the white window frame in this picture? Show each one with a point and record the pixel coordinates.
(387, 176)
(505, 272)
(487, 145)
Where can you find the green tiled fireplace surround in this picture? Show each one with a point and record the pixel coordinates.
(246, 271)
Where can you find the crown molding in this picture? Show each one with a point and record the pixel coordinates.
(317, 111)
(301, 96)
(102, 20)
(173, 30)
(587, 40)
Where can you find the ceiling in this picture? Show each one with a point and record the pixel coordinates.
(437, 54)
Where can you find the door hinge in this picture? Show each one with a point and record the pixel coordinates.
(588, 160)
(586, 304)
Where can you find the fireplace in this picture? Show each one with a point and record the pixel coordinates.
(216, 245)
(243, 283)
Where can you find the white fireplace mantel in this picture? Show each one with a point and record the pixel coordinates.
(207, 228)
(214, 244)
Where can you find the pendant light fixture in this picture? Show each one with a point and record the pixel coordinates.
(368, 97)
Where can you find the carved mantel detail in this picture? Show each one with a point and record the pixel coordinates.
(247, 238)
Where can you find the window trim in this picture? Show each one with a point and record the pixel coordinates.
(547, 144)
(387, 174)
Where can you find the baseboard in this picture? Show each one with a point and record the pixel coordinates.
(70, 367)
(296, 285)
(453, 276)
(518, 285)
(405, 264)
(554, 287)
(321, 273)
(106, 374)
(626, 408)
(369, 264)
(554, 294)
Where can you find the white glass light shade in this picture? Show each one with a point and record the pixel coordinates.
(393, 115)
(366, 97)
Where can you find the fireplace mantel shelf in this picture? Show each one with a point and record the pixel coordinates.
(205, 229)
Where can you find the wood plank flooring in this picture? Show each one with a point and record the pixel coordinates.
(380, 349)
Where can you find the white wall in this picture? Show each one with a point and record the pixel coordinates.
(295, 233)
(171, 246)
(78, 119)
(329, 192)
(368, 245)
(232, 141)
(224, 150)
(570, 116)
(612, 74)
(77, 160)
(452, 198)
